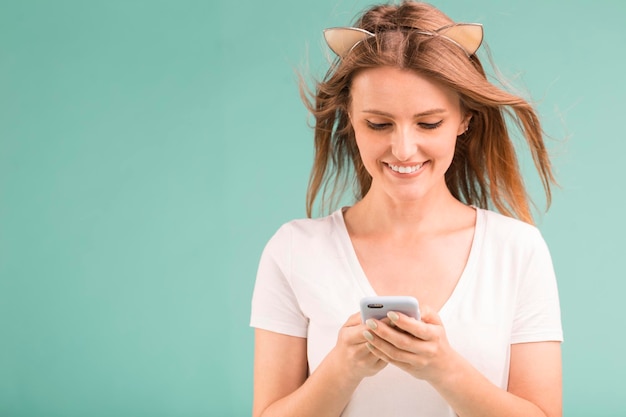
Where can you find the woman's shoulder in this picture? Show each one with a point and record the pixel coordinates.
(507, 238)
(311, 228)
(504, 228)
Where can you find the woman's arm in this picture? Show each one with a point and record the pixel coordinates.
(281, 386)
(534, 379)
(536, 375)
(280, 367)
(534, 385)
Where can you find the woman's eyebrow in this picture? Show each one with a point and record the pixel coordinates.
(421, 114)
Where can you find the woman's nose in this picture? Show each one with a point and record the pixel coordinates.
(404, 144)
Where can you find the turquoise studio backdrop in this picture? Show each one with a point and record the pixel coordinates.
(150, 148)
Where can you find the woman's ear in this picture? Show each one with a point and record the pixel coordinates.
(464, 124)
(349, 113)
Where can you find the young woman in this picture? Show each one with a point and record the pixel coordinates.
(407, 112)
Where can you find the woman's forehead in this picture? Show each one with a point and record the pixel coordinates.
(394, 88)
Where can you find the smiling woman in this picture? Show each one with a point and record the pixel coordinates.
(423, 41)
(406, 128)
(407, 110)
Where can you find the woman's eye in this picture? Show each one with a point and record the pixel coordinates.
(378, 126)
(431, 125)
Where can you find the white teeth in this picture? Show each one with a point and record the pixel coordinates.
(405, 170)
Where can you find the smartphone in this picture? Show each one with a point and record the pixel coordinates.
(378, 307)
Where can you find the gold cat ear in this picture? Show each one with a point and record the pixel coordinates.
(343, 40)
(468, 36)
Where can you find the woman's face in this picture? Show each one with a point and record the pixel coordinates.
(406, 128)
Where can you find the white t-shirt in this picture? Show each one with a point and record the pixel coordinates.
(310, 281)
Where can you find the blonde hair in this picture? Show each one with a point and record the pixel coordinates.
(484, 169)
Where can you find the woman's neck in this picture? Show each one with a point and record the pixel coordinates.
(378, 213)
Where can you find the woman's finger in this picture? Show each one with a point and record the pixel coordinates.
(388, 350)
(422, 329)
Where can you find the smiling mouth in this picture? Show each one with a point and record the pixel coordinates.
(405, 169)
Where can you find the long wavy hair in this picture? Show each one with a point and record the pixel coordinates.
(484, 170)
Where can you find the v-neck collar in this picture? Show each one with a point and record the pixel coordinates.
(363, 282)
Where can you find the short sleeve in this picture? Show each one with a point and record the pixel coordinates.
(274, 304)
(537, 314)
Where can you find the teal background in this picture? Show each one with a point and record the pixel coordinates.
(149, 148)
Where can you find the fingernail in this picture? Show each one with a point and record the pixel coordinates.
(368, 336)
(393, 316)
(369, 346)
(371, 324)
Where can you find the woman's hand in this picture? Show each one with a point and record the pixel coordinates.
(420, 348)
(351, 352)
(284, 386)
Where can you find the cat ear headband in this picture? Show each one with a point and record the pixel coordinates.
(468, 36)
